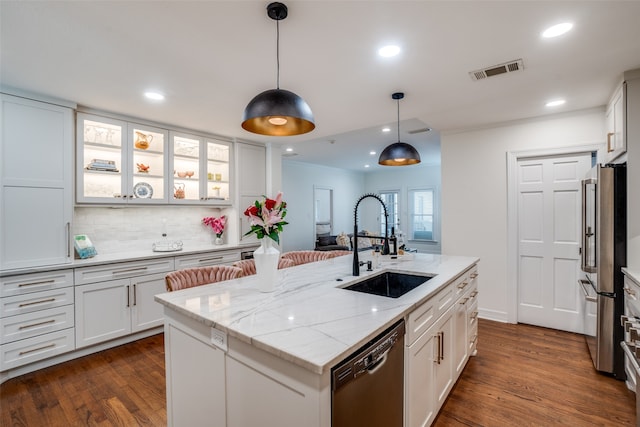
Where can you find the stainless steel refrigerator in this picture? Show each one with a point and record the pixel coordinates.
(604, 229)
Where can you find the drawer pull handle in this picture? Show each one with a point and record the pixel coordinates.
(474, 275)
(463, 301)
(130, 270)
(25, 304)
(33, 325)
(630, 292)
(42, 282)
(215, 258)
(22, 353)
(462, 285)
(474, 315)
(473, 294)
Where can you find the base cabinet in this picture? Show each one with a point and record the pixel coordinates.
(436, 358)
(108, 310)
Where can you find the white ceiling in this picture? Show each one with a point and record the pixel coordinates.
(211, 57)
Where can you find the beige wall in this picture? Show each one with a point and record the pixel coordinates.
(474, 191)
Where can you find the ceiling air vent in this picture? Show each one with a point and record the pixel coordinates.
(413, 132)
(507, 67)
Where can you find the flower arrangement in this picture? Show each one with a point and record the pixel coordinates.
(266, 218)
(216, 224)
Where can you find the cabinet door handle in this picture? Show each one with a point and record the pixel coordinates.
(68, 239)
(609, 135)
(437, 359)
(474, 315)
(33, 325)
(42, 301)
(441, 356)
(128, 296)
(134, 295)
(42, 282)
(474, 339)
(22, 353)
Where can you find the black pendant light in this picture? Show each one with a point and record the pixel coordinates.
(399, 153)
(278, 112)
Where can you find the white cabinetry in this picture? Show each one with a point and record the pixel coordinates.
(201, 170)
(438, 348)
(251, 178)
(615, 122)
(36, 317)
(36, 176)
(118, 299)
(207, 259)
(120, 162)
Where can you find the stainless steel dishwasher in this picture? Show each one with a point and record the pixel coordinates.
(368, 386)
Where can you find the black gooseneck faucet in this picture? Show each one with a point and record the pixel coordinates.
(385, 246)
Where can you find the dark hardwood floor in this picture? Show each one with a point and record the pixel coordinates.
(529, 376)
(522, 376)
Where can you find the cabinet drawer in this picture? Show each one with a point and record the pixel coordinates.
(101, 273)
(206, 259)
(29, 325)
(27, 283)
(30, 350)
(423, 317)
(36, 301)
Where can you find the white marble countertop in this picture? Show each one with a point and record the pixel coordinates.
(632, 274)
(309, 320)
(125, 256)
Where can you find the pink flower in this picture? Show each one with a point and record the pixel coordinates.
(216, 224)
(267, 217)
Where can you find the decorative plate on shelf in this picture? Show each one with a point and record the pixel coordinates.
(143, 190)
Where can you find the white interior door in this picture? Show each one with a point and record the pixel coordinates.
(549, 215)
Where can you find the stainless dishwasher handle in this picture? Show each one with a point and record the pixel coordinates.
(379, 363)
(582, 282)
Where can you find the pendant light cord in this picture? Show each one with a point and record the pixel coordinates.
(278, 54)
(398, 120)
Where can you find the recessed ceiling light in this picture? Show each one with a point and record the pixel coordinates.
(555, 103)
(156, 96)
(386, 129)
(373, 153)
(366, 166)
(289, 149)
(389, 51)
(557, 30)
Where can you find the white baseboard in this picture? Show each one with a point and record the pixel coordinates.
(498, 316)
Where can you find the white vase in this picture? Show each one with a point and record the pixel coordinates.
(266, 258)
(218, 240)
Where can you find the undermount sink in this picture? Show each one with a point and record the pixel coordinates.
(389, 284)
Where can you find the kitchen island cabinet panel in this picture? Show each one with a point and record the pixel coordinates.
(195, 379)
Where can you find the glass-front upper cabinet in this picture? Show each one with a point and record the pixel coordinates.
(120, 162)
(200, 168)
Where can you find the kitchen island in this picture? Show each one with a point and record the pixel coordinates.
(238, 357)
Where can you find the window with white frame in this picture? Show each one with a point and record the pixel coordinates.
(390, 199)
(421, 214)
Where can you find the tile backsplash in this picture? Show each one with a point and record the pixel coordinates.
(121, 229)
